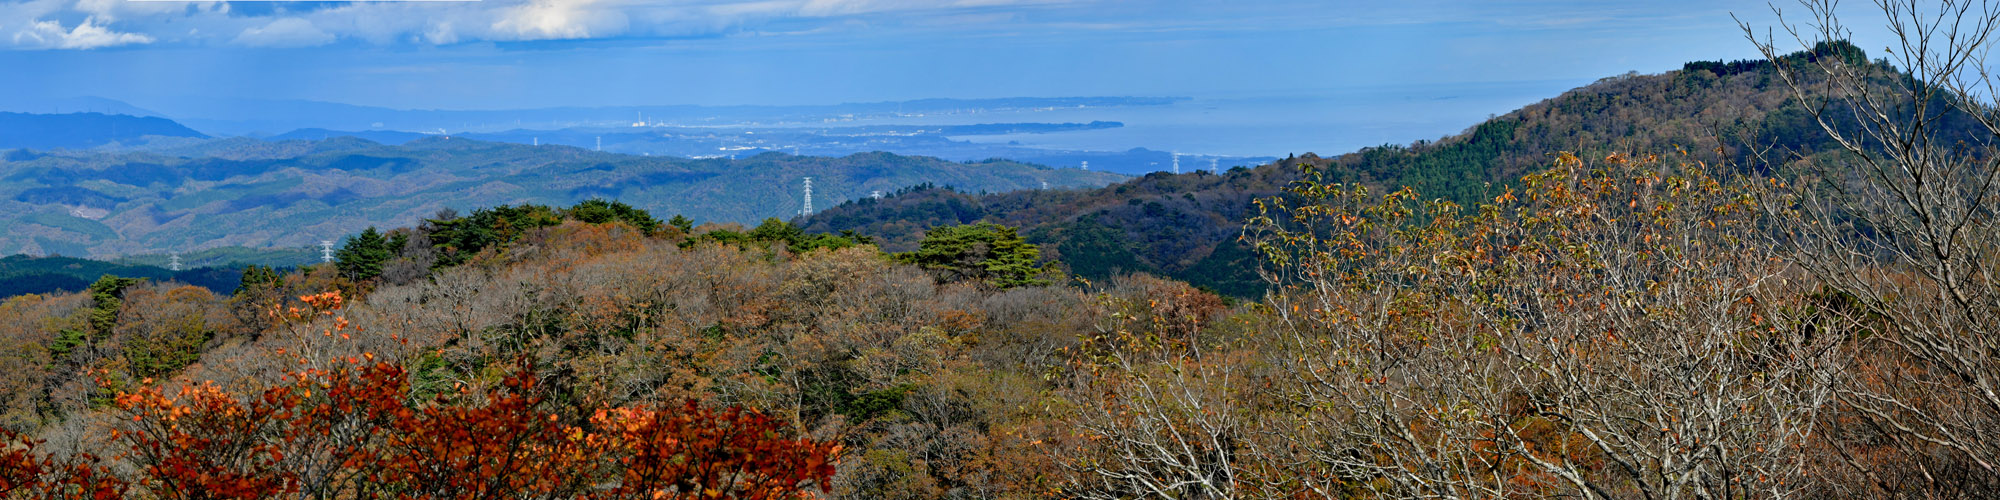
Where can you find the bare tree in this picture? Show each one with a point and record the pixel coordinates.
(1150, 417)
(1610, 331)
(1900, 224)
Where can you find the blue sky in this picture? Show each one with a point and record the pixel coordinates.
(495, 54)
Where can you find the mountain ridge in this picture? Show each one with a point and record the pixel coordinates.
(83, 130)
(246, 192)
(1185, 226)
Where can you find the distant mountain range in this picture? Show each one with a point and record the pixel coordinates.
(84, 130)
(59, 105)
(256, 193)
(233, 116)
(942, 141)
(926, 127)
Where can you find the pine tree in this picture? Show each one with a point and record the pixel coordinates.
(362, 257)
(985, 252)
(600, 211)
(256, 277)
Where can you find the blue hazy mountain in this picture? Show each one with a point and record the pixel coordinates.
(60, 105)
(258, 193)
(228, 116)
(391, 137)
(83, 130)
(1018, 128)
(942, 141)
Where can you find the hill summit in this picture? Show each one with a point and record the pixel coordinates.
(1186, 226)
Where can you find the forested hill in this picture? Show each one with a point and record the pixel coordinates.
(1178, 225)
(82, 130)
(21, 274)
(251, 193)
(1185, 226)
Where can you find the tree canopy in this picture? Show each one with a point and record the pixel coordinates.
(988, 253)
(362, 257)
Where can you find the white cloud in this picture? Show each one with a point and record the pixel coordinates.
(441, 34)
(845, 7)
(433, 22)
(285, 32)
(559, 19)
(86, 35)
(836, 8)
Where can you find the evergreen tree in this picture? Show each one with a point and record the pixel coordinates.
(774, 230)
(256, 277)
(362, 257)
(600, 211)
(985, 252)
(106, 297)
(458, 238)
(399, 240)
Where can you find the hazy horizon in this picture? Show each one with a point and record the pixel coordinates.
(1354, 73)
(507, 54)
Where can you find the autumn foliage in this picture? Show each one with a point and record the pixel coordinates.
(1662, 325)
(27, 473)
(355, 432)
(350, 426)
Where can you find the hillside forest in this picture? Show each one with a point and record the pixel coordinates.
(1186, 226)
(1820, 320)
(243, 192)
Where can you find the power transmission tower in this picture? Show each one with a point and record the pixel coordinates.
(1177, 163)
(325, 250)
(808, 210)
(1086, 164)
(174, 262)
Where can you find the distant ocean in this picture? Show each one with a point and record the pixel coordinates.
(1327, 122)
